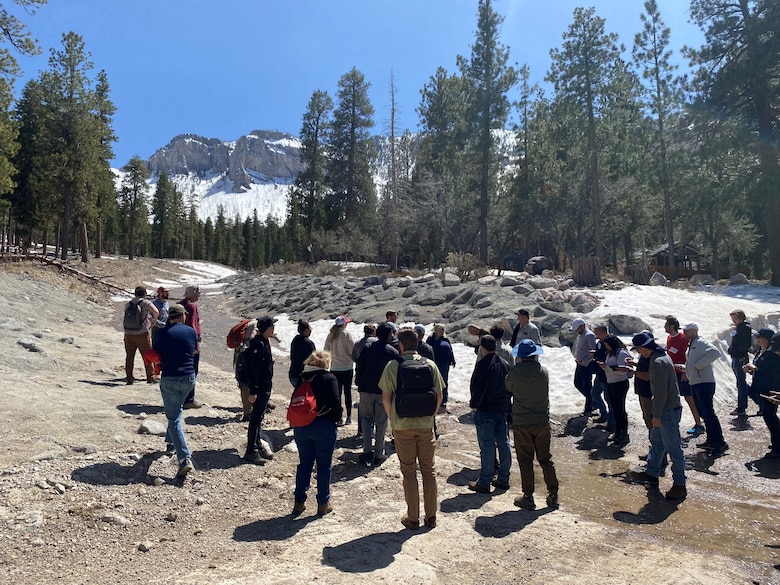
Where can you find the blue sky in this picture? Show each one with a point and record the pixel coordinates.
(223, 69)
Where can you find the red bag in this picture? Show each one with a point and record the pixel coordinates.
(235, 336)
(153, 358)
(303, 406)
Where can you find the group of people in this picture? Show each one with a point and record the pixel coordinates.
(509, 388)
(168, 334)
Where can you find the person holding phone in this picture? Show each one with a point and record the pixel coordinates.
(765, 370)
(615, 367)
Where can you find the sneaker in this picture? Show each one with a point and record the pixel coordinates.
(430, 522)
(409, 523)
(677, 493)
(169, 449)
(193, 404)
(323, 509)
(298, 508)
(526, 502)
(265, 450)
(378, 460)
(695, 430)
(184, 468)
(552, 501)
(475, 486)
(348, 421)
(498, 485)
(254, 457)
(340, 423)
(642, 477)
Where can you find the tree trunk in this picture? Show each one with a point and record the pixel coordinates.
(84, 240)
(65, 227)
(98, 238)
(587, 271)
(638, 273)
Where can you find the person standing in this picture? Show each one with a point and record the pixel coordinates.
(260, 374)
(161, 302)
(698, 367)
(369, 336)
(617, 374)
(371, 412)
(190, 304)
(240, 369)
(317, 441)
(339, 344)
(599, 394)
(423, 348)
(583, 372)
(137, 333)
(529, 384)
(677, 348)
(490, 407)
(525, 329)
(443, 356)
(667, 410)
(176, 344)
(741, 343)
(301, 348)
(415, 441)
(765, 370)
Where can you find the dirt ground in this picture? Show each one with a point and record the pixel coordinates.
(85, 498)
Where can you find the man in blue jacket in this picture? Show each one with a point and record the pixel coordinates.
(176, 345)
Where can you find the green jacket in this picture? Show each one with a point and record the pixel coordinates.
(529, 385)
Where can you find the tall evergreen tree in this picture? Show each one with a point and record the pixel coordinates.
(163, 211)
(352, 203)
(490, 78)
(133, 195)
(580, 73)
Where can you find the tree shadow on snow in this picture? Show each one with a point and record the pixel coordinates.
(367, 553)
(506, 523)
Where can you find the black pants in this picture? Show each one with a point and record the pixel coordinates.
(769, 412)
(256, 421)
(617, 395)
(344, 378)
(191, 396)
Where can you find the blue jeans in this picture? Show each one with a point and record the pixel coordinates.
(703, 395)
(492, 434)
(666, 439)
(372, 412)
(316, 442)
(603, 404)
(174, 389)
(583, 381)
(743, 391)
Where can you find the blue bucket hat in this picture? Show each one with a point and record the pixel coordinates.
(527, 348)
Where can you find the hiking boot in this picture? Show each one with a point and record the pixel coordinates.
(720, 450)
(298, 508)
(526, 502)
(169, 449)
(409, 523)
(475, 486)
(184, 468)
(498, 485)
(254, 457)
(737, 412)
(348, 421)
(193, 404)
(430, 522)
(695, 430)
(642, 477)
(622, 439)
(323, 509)
(677, 493)
(378, 460)
(552, 500)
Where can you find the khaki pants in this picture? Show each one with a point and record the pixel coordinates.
(533, 440)
(143, 343)
(415, 446)
(646, 404)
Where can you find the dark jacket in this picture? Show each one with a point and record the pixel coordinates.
(326, 392)
(600, 356)
(488, 392)
(370, 365)
(300, 348)
(742, 341)
(442, 354)
(260, 365)
(767, 374)
(176, 345)
(425, 350)
(529, 384)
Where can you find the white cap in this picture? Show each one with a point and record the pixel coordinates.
(690, 326)
(577, 323)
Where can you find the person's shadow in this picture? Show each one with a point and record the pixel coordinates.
(367, 553)
(768, 468)
(506, 523)
(574, 426)
(280, 528)
(656, 510)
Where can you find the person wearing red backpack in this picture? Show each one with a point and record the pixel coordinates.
(317, 441)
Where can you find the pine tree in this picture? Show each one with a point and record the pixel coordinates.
(489, 78)
(163, 211)
(133, 196)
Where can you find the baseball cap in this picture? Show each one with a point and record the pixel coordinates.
(176, 310)
(690, 326)
(342, 320)
(577, 323)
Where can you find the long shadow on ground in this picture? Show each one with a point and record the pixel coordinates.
(280, 528)
(507, 522)
(367, 553)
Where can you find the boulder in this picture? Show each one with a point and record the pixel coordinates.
(627, 324)
(658, 279)
(435, 297)
(702, 280)
(430, 277)
(510, 281)
(547, 273)
(464, 297)
(738, 278)
(555, 306)
(539, 283)
(450, 279)
(537, 265)
(405, 281)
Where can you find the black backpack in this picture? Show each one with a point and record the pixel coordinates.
(415, 393)
(133, 320)
(242, 369)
